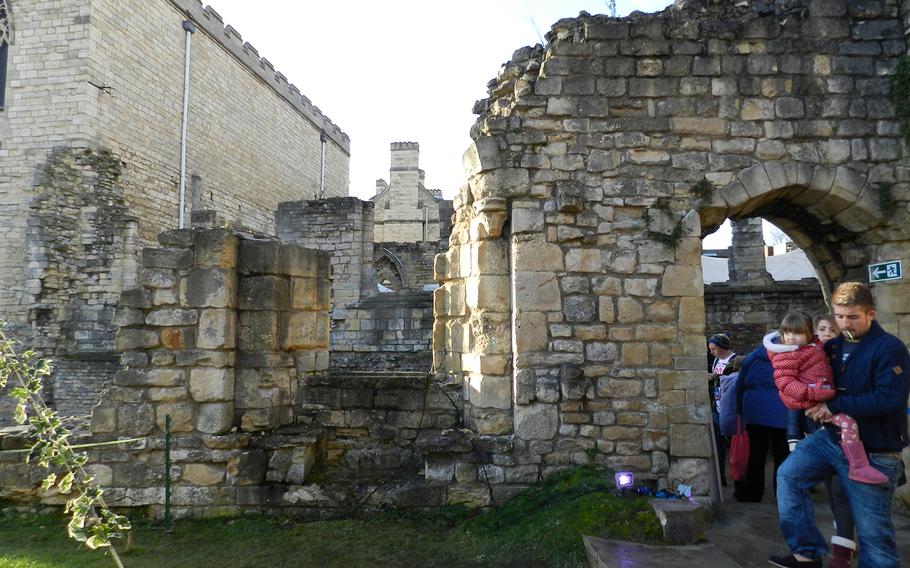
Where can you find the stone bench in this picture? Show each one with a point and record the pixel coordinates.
(682, 521)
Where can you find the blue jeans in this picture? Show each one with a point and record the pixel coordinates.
(814, 459)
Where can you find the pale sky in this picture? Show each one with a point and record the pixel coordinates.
(401, 70)
(405, 70)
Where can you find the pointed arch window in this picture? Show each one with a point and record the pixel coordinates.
(6, 38)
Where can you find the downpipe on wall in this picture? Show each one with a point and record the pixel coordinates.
(190, 29)
(323, 139)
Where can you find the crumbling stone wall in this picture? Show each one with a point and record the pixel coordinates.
(95, 90)
(370, 330)
(573, 306)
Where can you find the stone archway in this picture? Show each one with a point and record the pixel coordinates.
(572, 301)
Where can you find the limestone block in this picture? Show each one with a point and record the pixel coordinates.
(178, 338)
(172, 317)
(489, 391)
(535, 254)
(215, 248)
(580, 308)
(264, 293)
(209, 288)
(125, 316)
(209, 384)
(176, 238)
(104, 418)
(440, 268)
(490, 257)
(304, 330)
(164, 297)
(627, 389)
(689, 440)
(259, 331)
(167, 258)
(635, 355)
(755, 179)
(699, 125)
(300, 262)
(130, 339)
(181, 414)
(217, 329)
(601, 351)
(682, 281)
(203, 474)
(215, 417)
(538, 291)
(149, 378)
(482, 155)
(156, 277)
(262, 388)
(204, 357)
(135, 419)
(584, 260)
(501, 183)
(530, 331)
(536, 421)
(629, 310)
(167, 394)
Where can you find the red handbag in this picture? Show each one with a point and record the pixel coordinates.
(739, 452)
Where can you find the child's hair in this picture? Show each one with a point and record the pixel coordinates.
(824, 317)
(797, 322)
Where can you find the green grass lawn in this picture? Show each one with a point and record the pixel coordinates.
(540, 528)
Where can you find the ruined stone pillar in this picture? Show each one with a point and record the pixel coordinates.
(747, 253)
(283, 327)
(177, 336)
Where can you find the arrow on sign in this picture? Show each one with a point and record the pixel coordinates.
(879, 271)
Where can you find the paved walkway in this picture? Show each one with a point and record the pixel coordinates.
(741, 535)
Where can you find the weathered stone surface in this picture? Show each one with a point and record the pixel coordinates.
(689, 440)
(211, 384)
(536, 421)
(214, 418)
(209, 288)
(217, 329)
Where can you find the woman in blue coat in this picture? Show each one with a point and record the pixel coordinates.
(765, 417)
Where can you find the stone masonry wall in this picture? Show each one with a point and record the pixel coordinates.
(219, 335)
(572, 305)
(253, 140)
(95, 89)
(750, 311)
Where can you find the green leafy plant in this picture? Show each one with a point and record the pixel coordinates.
(669, 239)
(90, 520)
(886, 201)
(702, 190)
(900, 94)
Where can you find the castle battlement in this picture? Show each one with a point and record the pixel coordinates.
(230, 39)
(405, 146)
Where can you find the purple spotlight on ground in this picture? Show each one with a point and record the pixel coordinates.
(624, 480)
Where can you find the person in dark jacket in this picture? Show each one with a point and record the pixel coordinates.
(872, 377)
(765, 417)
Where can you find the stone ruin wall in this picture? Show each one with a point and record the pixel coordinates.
(573, 306)
(370, 330)
(90, 161)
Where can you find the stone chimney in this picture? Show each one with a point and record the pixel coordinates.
(747, 254)
(404, 175)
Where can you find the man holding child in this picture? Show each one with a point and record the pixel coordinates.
(872, 376)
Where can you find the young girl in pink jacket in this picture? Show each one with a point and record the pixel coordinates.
(803, 376)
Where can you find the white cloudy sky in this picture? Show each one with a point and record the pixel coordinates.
(404, 70)
(401, 70)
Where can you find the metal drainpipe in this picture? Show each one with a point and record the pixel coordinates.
(322, 138)
(190, 29)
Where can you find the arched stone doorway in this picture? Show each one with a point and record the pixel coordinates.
(572, 301)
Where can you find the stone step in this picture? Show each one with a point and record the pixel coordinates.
(609, 553)
(293, 452)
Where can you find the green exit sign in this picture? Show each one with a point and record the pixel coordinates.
(881, 271)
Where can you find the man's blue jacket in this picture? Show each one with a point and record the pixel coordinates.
(872, 387)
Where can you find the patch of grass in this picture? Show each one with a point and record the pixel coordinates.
(539, 528)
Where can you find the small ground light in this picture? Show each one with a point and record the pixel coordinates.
(624, 480)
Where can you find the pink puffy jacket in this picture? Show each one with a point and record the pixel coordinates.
(802, 374)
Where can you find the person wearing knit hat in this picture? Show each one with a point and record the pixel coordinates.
(725, 362)
(721, 340)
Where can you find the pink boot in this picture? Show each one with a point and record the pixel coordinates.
(860, 470)
(842, 551)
